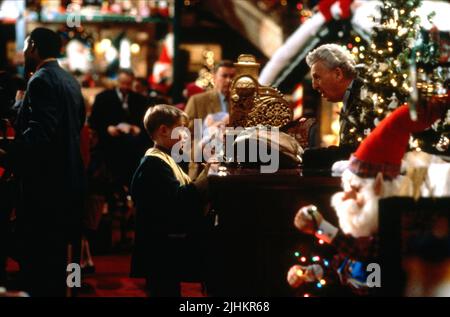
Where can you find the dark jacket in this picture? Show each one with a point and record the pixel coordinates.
(357, 114)
(46, 156)
(121, 154)
(165, 212)
(107, 110)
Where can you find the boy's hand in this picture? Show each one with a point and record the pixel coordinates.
(201, 182)
(206, 167)
(205, 170)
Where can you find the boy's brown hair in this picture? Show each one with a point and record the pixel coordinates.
(162, 114)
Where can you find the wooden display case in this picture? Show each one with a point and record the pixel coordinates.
(253, 240)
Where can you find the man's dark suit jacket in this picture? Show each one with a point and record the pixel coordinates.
(107, 110)
(46, 157)
(351, 109)
(120, 154)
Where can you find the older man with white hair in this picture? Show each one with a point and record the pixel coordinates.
(334, 76)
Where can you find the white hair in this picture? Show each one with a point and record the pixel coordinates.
(333, 55)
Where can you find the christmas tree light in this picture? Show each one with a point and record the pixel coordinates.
(399, 57)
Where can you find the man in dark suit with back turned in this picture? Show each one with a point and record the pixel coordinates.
(47, 162)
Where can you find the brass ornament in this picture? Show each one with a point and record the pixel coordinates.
(253, 104)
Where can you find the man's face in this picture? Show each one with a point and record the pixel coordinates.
(30, 54)
(125, 83)
(328, 82)
(139, 88)
(223, 78)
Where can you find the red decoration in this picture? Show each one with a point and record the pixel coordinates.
(344, 6)
(383, 150)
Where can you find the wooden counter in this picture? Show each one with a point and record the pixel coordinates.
(254, 239)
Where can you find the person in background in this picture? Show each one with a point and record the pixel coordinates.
(116, 119)
(140, 86)
(215, 100)
(46, 161)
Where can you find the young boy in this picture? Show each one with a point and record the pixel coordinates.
(168, 205)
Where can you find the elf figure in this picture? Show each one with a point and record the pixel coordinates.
(372, 173)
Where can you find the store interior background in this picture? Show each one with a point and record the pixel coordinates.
(132, 33)
(148, 35)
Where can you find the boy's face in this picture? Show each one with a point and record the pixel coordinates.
(174, 134)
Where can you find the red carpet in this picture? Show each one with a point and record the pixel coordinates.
(111, 280)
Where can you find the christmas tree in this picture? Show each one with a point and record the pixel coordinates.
(400, 64)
